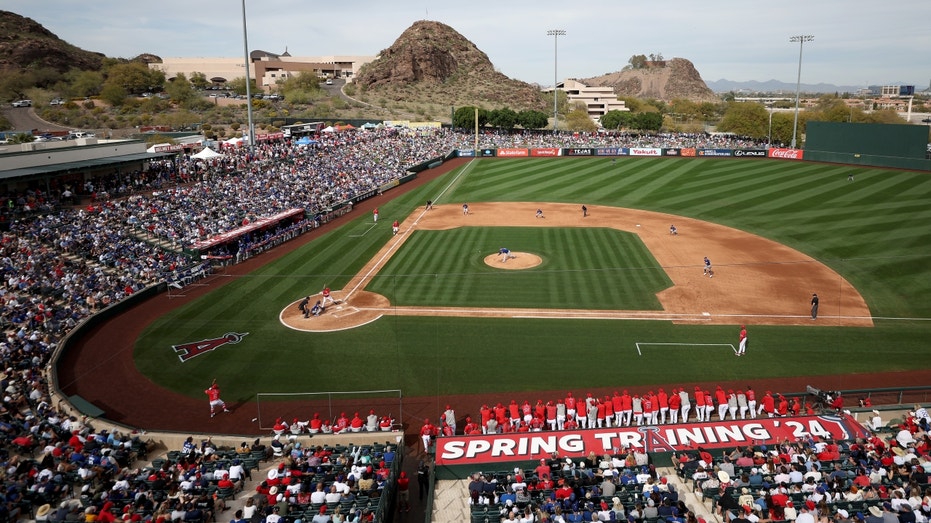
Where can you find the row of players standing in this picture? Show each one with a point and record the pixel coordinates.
(624, 410)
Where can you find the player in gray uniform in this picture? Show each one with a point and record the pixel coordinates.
(742, 403)
(686, 405)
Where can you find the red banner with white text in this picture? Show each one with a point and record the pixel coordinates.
(499, 448)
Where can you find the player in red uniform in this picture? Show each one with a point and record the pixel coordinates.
(426, 434)
(213, 393)
(326, 296)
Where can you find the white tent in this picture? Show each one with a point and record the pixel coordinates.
(207, 154)
(329, 129)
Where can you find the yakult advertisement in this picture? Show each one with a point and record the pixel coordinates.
(499, 448)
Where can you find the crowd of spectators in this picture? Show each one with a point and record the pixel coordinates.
(88, 244)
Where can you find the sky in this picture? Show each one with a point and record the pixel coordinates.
(856, 42)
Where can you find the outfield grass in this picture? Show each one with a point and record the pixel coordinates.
(873, 231)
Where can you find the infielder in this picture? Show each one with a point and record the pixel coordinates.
(213, 394)
(395, 227)
(708, 270)
(465, 208)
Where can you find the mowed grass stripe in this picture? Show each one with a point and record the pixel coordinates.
(573, 275)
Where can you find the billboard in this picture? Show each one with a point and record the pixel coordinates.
(786, 154)
(500, 448)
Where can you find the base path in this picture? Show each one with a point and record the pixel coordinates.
(755, 280)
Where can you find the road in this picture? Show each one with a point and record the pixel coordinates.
(24, 119)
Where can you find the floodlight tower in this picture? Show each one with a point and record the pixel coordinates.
(555, 33)
(801, 39)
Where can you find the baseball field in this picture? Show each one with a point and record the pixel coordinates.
(612, 299)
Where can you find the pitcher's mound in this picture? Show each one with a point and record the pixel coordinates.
(517, 261)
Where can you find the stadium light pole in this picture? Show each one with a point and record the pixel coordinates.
(769, 141)
(555, 33)
(245, 48)
(801, 39)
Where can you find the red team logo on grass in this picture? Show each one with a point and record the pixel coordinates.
(187, 351)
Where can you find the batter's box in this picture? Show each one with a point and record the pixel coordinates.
(673, 346)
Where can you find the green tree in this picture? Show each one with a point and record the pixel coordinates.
(199, 80)
(617, 120)
(135, 77)
(464, 117)
(578, 120)
(503, 118)
(181, 90)
(84, 83)
(651, 121)
(745, 119)
(637, 61)
(113, 94)
(238, 85)
(531, 119)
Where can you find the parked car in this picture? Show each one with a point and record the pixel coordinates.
(329, 81)
(22, 103)
(56, 101)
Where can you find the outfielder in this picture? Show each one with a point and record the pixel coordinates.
(213, 394)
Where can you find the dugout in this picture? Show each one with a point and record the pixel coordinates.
(880, 145)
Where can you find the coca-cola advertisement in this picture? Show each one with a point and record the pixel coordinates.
(786, 154)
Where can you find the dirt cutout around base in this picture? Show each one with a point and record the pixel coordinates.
(516, 261)
(756, 281)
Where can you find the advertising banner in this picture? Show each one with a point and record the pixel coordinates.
(714, 152)
(687, 151)
(787, 154)
(548, 151)
(750, 153)
(511, 153)
(499, 448)
(580, 152)
(670, 152)
(610, 151)
(488, 152)
(466, 153)
(646, 151)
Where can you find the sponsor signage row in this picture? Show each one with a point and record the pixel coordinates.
(499, 448)
(686, 152)
(260, 223)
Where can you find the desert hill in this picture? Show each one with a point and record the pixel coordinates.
(26, 44)
(433, 58)
(661, 80)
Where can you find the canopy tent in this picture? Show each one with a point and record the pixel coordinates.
(347, 127)
(305, 140)
(369, 125)
(328, 129)
(157, 147)
(207, 154)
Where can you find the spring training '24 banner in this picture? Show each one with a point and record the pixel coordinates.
(469, 450)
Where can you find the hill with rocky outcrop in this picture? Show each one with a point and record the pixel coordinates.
(26, 44)
(431, 58)
(661, 80)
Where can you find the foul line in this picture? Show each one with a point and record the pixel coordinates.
(639, 353)
(398, 239)
(364, 233)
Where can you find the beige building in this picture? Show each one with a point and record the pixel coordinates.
(266, 68)
(598, 100)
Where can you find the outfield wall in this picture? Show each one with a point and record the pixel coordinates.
(692, 152)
